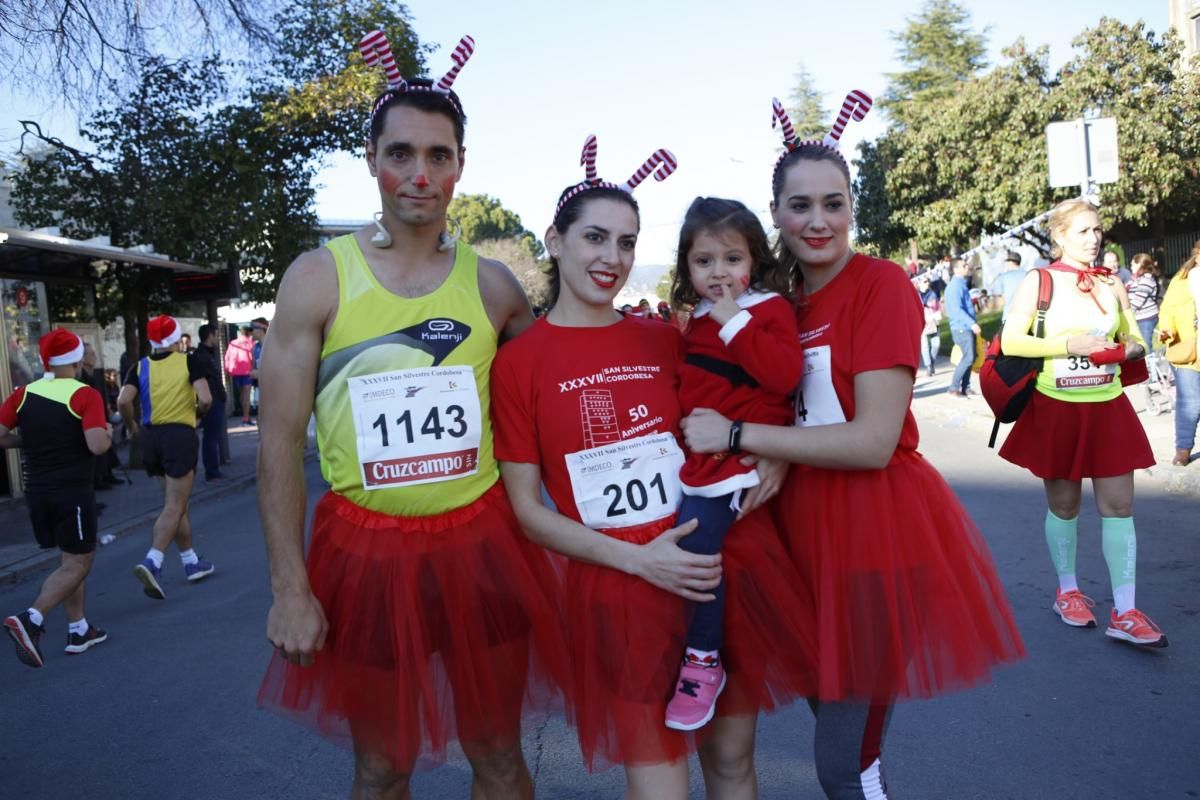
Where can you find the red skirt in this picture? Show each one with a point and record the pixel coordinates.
(1072, 441)
(627, 640)
(441, 628)
(899, 584)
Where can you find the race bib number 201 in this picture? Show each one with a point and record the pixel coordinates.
(416, 425)
(628, 483)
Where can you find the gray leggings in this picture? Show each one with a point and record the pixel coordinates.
(848, 745)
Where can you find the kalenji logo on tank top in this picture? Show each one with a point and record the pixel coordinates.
(440, 336)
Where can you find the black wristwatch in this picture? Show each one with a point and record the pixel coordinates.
(735, 436)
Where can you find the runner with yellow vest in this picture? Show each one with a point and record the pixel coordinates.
(170, 390)
(1079, 424)
(423, 614)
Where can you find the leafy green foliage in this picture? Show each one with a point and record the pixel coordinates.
(974, 161)
(483, 217)
(939, 50)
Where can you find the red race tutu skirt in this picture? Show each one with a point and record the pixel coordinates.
(1072, 441)
(441, 628)
(627, 641)
(900, 586)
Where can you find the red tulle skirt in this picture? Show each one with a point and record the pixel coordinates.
(442, 628)
(900, 587)
(1072, 441)
(627, 640)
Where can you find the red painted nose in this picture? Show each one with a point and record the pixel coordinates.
(421, 181)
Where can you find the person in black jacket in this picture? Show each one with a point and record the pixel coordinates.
(213, 422)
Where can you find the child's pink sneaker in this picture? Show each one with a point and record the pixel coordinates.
(696, 694)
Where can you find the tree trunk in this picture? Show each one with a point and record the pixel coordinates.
(1158, 232)
(143, 314)
(129, 315)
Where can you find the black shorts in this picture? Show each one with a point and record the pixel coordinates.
(169, 450)
(65, 519)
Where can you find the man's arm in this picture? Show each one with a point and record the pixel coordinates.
(125, 406)
(203, 395)
(505, 300)
(296, 623)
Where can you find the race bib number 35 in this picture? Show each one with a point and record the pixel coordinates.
(416, 425)
(628, 483)
(1078, 372)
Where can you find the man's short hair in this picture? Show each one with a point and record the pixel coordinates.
(1013, 256)
(204, 331)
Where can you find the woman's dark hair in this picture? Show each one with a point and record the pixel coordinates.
(717, 215)
(805, 152)
(571, 211)
(422, 100)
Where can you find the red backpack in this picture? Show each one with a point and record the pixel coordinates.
(1007, 382)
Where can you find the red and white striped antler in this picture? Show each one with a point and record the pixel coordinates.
(466, 46)
(780, 118)
(856, 105)
(588, 159)
(665, 162)
(377, 51)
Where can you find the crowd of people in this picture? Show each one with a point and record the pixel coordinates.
(65, 424)
(663, 530)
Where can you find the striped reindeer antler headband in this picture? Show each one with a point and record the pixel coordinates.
(855, 106)
(661, 163)
(377, 51)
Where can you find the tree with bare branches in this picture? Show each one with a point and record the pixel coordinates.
(74, 50)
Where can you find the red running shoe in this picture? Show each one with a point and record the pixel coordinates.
(1073, 607)
(1135, 627)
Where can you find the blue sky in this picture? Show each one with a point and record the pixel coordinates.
(696, 78)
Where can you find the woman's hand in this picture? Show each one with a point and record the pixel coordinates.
(665, 564)
(706, 431)
(1086, 344)
(771, 473)
(1167, 337)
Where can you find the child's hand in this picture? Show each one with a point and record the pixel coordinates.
(725, 307)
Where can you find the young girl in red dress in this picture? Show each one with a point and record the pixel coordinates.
(901, 588)
(586, 402)
(743, 354)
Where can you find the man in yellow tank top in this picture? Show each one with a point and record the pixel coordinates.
(170, 391)
(423, 615)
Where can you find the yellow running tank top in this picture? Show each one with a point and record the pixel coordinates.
(402, 404)
(1075, 379)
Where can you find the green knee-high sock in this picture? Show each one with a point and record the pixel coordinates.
(1120, 553)
(1061, 537)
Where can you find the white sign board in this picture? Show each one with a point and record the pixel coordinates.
(1082, 152)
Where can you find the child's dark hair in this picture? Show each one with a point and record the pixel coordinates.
(418, 96)
(571, 211)
(717, 215)
(813, 151)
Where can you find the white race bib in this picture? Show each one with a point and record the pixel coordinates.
(1078, 372)
(817, 401)
(416, 425)
(628, 483)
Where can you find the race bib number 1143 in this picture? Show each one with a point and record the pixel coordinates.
(416, 425)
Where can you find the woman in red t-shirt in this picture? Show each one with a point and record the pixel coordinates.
(585, 402)
(904, 595)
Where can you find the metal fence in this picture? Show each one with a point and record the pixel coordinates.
(1177, 249)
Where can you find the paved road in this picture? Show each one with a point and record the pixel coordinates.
(164, 709)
